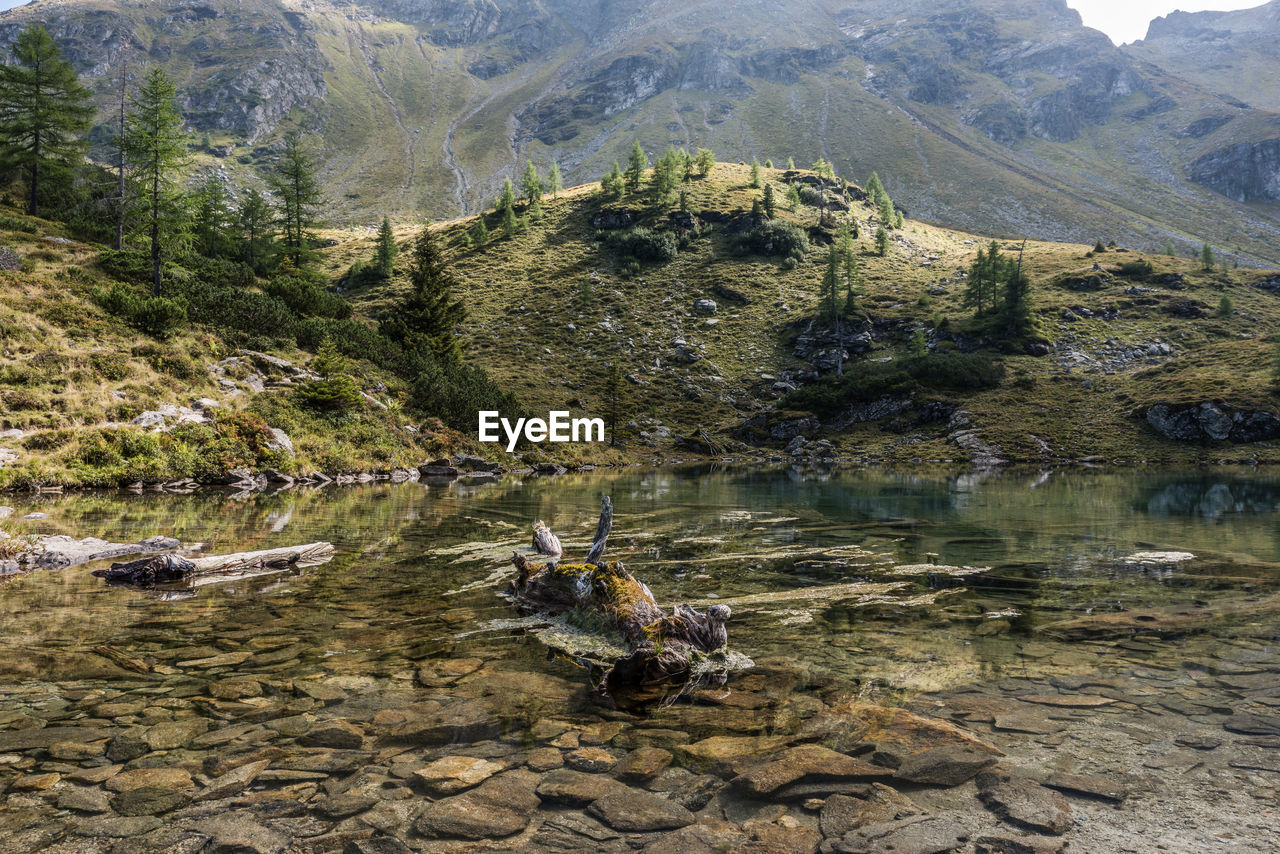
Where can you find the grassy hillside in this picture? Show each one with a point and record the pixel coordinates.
(552, 309)
(561, 316)
(73, 377)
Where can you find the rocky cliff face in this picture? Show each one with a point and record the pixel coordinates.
(1246, 172)
(240, 66)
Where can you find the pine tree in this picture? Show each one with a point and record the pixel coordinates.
(531, 183)
(555, 181)
(613, 185)
(480, 231)
(666, 176)
(385, 250)
(705, 161)
(1169, 250)
(426, 318)
(638, 162)
(875, 189)
(755, 174)
(211, 218)
(254, 220)
(757, 212)
(43, 109)
(1207, 258)
(823, 169)
(770, 204)
(157, 147)
(1016, 311)
(831, 285)
(980, 281)
(510, 223)
(507, 199)
(793, 197)
(882, 242)
(791, 164)
(298, 195)
(887, 217)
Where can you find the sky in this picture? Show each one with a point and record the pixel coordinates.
(1122, 20)
(1126, 20)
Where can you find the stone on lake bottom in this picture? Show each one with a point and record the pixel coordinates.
(240, 833)
(576, 788)
(809, 760)
(922, 834)
(452, 774)
(643, 763)
(544, 759)
(500, 806)
(1024, 802)
(949, 765)
(639, 812)
(140, 778)
(842, 813)
(593, 760)
(1019, 845)
(1088, 785)
(337, 733)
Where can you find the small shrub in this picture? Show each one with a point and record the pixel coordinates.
(774, 238)
(645, 244)
(1225, 307)
(1141, 268)
(953, 371)
(110, 366)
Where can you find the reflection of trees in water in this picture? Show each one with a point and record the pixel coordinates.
(1213, 498)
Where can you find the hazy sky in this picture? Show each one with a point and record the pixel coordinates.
(1126, 20)
(1123, 20)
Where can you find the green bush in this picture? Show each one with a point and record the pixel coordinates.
(157, 316)
(952, 371)
(1140, 268)
(645, 244)
(307, 298)
(774, 238)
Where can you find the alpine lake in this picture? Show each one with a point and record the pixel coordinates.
(1081, 661)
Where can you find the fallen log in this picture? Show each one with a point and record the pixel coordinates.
(662, 649)
(171, 569)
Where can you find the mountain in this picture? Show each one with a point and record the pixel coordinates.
(999, 116)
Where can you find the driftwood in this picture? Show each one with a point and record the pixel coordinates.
(172, 569)
(662, 648)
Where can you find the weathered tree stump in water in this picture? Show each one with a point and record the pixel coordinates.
(662, 648)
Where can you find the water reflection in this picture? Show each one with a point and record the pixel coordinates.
(1212, 498)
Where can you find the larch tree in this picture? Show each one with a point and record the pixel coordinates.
(255, 224)
(636, 164)
(531, 184)
(211, 218)
(705, 161)
(770, 203)
(428, 315)
(43, 110)
(555, 181)
(385, 250)
(298, 194)
(157, 147)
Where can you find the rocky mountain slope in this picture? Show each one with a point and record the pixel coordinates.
(1003, 116)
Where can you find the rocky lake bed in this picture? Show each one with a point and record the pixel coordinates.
(392, 701)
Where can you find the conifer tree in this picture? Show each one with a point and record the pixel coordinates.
(555, 181)
(531, 183)
(887, 217)
(757, 212)
(823, 169)
(613, 185)
(43, 109)
(980, 283)
(298, 196)
(1206, 258)
(791, 164)
(1016, 310)
(507, 198)
(755, 174)
(426, 318)
(875, 189)
(157, 147)
(638, 162)
(480, 231)
(253, 218)
(385, 250)
(510, 223)
(705, 161)
(666, 176)
(793, 197)
(882, 242)
(211, 218)
(770, 204)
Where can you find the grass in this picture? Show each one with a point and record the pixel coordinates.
(524, 291)
(553, 310)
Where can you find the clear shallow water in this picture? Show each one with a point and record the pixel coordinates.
(844, 586)
(419, 566)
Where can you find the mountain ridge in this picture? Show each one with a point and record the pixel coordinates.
(1005, 116)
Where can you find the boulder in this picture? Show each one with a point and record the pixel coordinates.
(1024, 802)
(240, 833)
(949, 765)
(1212, 420)
(809, 761)
(500, 806)
(635, 811)
(842, 813)
(915, 835)
(452, 774)
(577, 788)
(705, 306)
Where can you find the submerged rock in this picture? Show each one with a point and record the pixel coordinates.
(500, 806)
(916, 835)
(638, 812)
(810, 760)
(1024, 802)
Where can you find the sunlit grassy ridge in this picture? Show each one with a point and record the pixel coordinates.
(525, 291)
